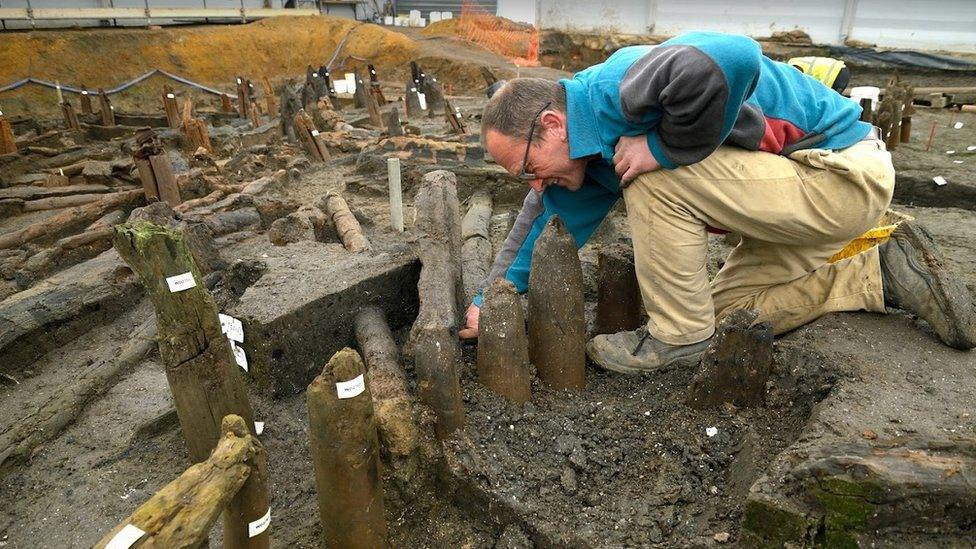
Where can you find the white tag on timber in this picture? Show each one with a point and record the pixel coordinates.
(125, 538)
(258, 427)
(315, 74)
(171, 96)
(239, 356)
(423, 101)
(181, 282)
(84, 92)
(257, 527)
(971, 148)
(238, 80)
(939, 180)
(958, 126)
(353, 387)
(315, 133)
(232, 327)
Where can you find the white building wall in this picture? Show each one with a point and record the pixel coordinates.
(921, 24)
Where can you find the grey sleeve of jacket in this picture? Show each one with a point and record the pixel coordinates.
(532, 207)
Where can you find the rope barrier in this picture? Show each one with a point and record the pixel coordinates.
(121, 87)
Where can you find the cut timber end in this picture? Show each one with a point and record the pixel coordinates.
(503, 355)
(345, 455)
(618, 301)
(346, 224)
(736, 366)
(388, 383)
(557, 328)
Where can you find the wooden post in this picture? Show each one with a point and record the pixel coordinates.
(503, 349)
(243, 101)
(171, 108)
(736, 365)
(86, 106)
(107, 113)
(346, 224)
(374, 110)
(345, 455)
(396, 193)
(433, 338)
(7, 143)
(360, 94)
(182, 512)
(70, 117)
(453, 116)
(866, 113)
(194, 130)
(270, 101)
(225, 104)
(253, 115)
(200, 365)
(393, 125)
(374, 86)
(387, 383)
(557, 329)
(435, 95)
(310, 138)
(155, 171)
(618, 297)
(411, 101)
(475, 242)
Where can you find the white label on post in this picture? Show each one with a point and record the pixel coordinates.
(939, 180)
(232, 327)
(84, 92)
(181, 282)
(238, 80)
(353, 387)
(239, 356)
(315, 75)
(958, 125)
(423, 101)
(258, 427)
(315, 133)
(257, 527)
(171, 96)
(125, 538)
(971, 148)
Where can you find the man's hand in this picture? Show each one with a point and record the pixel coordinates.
(470, 329)
(632, 157)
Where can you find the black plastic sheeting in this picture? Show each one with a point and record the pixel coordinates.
(868, 57)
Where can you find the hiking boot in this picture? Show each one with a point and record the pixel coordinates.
(915, 278)
(637, 351)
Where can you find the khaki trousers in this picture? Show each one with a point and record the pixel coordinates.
(792, 213)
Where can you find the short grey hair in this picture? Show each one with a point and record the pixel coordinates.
(511, 109)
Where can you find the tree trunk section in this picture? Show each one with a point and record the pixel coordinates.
(557, 328)
(503, 349)
(476, 246)
(618, 297)
(433, 338)
(736, 366)
(346, 224)
(345, 455)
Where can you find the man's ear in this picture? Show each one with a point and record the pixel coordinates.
(555, 123)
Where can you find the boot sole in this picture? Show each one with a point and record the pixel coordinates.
(688, 360)
(951, 295)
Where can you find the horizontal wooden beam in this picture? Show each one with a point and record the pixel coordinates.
(152, 13)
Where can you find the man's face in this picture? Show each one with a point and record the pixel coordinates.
(548, 154)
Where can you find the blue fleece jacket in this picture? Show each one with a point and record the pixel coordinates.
(688, 95)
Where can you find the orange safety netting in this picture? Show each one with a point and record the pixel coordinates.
(516, 41)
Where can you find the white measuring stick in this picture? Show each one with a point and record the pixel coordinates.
(396, 194)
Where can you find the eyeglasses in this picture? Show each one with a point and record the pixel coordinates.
(524, 175)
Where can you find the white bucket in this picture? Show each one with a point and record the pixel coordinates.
(446, 15)
(871, 92)
(388, 20)
(351, 82)
(434, 16)
(340, 86)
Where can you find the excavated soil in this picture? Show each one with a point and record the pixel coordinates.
(622, 463)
